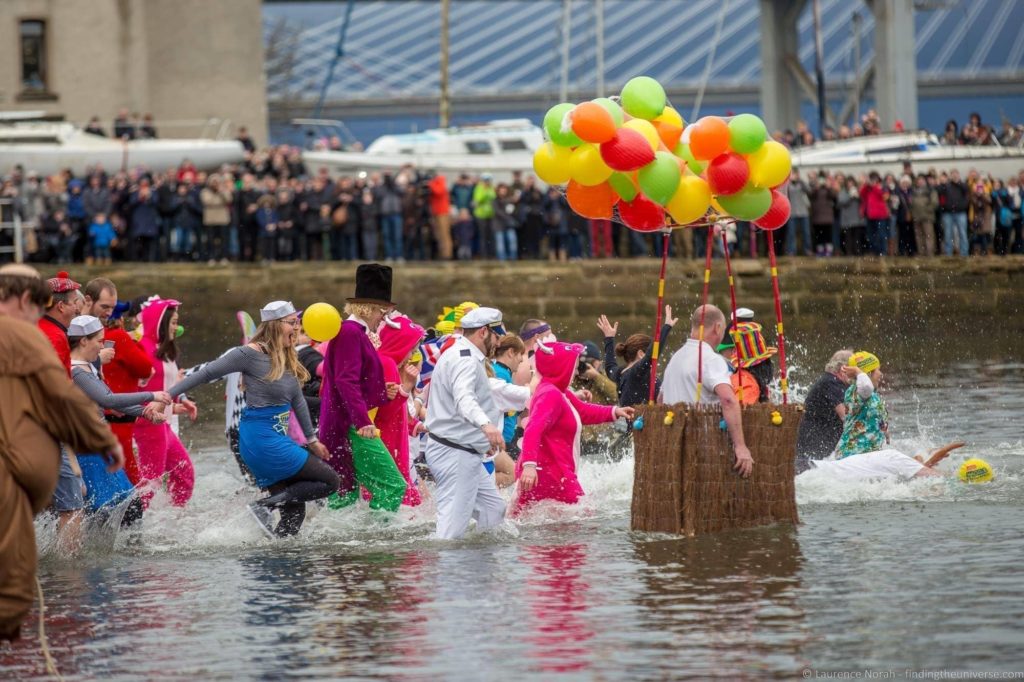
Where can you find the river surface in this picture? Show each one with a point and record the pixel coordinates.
(878, 576)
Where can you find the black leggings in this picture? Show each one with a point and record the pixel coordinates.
(314, 481)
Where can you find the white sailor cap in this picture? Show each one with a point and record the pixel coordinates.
(84, 325)
(483, 317)
(276, 310)
(744, 315)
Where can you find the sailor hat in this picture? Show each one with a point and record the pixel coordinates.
(84, 325)
(744, 315)
(276, 310)
(483, 317)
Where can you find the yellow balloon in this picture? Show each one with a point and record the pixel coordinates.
(672, 117)
(770, 165)
(718, 207)
(645, 128)
(587, 167)
(551, 163)
(690, 201)
(322, 321)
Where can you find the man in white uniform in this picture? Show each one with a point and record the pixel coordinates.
(460, 429)
(680, 382)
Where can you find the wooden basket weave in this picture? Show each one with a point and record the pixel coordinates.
(684, 482)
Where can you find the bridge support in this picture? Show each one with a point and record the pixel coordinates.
(895, 62)
(780, 89)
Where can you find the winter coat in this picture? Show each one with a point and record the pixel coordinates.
(924, 201)
(873, 204)
(388, 199)
(216, 206)
(483, 201)
(849, 209)
(97, 201)
(34, 390)
(799, 202)
(953, 197)
(552, 437)
(143, 217)
(823, 205)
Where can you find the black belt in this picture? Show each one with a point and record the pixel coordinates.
(119, 418)
(457, 446)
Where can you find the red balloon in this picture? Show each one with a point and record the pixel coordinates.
(642, 214)
(728, 173)
(627, 151)
(778, 212)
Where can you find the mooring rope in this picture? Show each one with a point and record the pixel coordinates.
(51, 665)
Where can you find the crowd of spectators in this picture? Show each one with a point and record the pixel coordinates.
(973, 133)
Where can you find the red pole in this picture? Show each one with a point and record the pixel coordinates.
(656, 347)
(703, 306)
(783, 382)
(732, 297)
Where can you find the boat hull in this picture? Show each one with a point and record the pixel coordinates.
(1000, 163)
(207, 155)
(500, 167)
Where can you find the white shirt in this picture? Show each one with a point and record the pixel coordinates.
(680, 382)
(460, 397)
(870, 465)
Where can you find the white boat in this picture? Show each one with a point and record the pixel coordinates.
(49, 147)
(889, 152)
(498, 147)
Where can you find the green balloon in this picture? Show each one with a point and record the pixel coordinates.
(643, 97)
(553, 126)
(623, 185)
(750, 203)
(682, 150)
(747, 133)
(660, 178)
(613, 108)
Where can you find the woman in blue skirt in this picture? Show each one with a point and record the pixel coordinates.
(273, 378)
(106, 489)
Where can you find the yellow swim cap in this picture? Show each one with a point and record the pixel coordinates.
(867, 362)
(976, 470)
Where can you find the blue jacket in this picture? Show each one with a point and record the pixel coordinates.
(102, 234)
(144, 216)
(76, 207)
(508, 431)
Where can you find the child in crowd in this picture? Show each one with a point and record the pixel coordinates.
(102, 237)
(464, 231)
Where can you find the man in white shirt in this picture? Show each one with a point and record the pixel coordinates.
(461, 433)
(680, 381)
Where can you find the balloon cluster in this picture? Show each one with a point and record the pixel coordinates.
(638, 158)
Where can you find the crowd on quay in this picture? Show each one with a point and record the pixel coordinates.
(366, 408)
(974, 133)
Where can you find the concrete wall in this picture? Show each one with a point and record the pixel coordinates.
(179, 60)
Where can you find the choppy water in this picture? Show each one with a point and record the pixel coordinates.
(881, 576)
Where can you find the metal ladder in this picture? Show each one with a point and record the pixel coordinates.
(7, 208)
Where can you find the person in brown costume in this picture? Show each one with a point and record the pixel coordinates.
(39, 407)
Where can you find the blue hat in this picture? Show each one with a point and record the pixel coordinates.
(120, 309)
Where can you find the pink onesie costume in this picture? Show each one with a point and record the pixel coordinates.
(160, 451)
(399, 336)
(552, 437)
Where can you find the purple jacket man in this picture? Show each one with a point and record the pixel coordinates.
(353, 386)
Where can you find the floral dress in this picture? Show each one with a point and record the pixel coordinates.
(866, 424)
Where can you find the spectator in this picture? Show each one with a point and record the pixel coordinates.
(96, 198)
(951, 135)
(147, 131)
(981, 218)
(924, 201)
(556, 224)
(266, 219)
(799, 217)
(464, 230)
(506, 242)
(388, 198)
(902, 241)
(123, 128)
(247, 143)
(217, 200)
(344, 223)
(822, 211)
(287, 234)
(874, 205)
(440, 213)
(953, 199)
(185, 219)
(93, 127)
(483, 212)
(531, 219)
(369, 226)
(102, 236)
(144, 223)
(414, 218)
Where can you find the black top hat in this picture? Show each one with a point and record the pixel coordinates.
(373, 284)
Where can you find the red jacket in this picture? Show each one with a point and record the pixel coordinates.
(130, 364)
(58, 337)
(874, 202)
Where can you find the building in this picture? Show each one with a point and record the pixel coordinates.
(183, 61)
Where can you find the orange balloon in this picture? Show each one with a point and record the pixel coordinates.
(596, 201)
(709, 137)
(592, 123)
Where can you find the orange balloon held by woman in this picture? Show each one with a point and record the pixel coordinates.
(592, 122)
(709, 137)
(597, 201)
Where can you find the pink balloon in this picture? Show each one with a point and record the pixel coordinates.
(727, 173)
(778, 212)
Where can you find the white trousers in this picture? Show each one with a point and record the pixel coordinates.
(464, 491)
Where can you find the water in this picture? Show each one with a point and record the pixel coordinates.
(880, 576)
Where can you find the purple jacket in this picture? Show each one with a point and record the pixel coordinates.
(353, 384)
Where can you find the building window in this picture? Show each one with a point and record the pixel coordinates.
(33, 56)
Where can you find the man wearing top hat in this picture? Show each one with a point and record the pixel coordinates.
(461, 435)
(353, 389)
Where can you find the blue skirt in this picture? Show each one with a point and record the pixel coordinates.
(265, 446)
(102, 488)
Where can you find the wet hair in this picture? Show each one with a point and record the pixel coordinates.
(838, 360)
(76, 341)
(510, 342)
(631, 347)
(17, 280)
(167, 348)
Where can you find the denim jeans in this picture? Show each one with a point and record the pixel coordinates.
(954, 226)
(391, 226)
(804, 225)
(506, 244)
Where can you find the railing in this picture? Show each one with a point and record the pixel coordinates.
(8, 210)
(206, 128)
